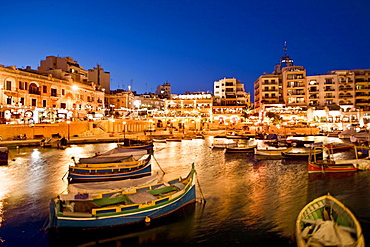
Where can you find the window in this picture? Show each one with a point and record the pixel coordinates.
(33, 102)
(53, 92)
(63, 92)
(44, 89)
(8, 85)
(34, 89)
(22, 101)
(21, 85)
(44, 103)
(9, 100)
(63, 105)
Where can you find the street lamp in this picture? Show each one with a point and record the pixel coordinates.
(68, 124)
(124, 129)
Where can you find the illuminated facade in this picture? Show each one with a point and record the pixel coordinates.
(49, 94)
(230, 92)
(164, 91)
(119, 102)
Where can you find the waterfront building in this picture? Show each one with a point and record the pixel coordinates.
(164, 91)
(331, 101)
(57, 91)
(119, 103)
(99, 77)
(230, 92)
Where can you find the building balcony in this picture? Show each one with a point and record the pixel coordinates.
(270, 83)
(329, 96)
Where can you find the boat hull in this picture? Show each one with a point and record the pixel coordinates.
(127, 218)
(314, 211)
(139, 208)
(240, 149)
(271, 152)
(90, 175)
(323, 167)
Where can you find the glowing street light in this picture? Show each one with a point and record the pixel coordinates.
(68, 124)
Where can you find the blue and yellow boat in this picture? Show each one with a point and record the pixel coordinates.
(110, 171)
(115, 208)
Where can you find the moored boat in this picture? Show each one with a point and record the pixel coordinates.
(116, 208)
(241, 149)
(111, 171)
(271, 151)
(114, 155)
(339, 146)
(328, 163)
(327, 222)
(300, 154)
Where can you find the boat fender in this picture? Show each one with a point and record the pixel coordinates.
(147, 219)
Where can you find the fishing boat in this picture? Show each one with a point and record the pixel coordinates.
(327, 222)
(224, 143)
(159, 140)
(117, 154)
(297, 154)
(328, 163)
(298, 143)
(173, 139)
(241, 149)
(110, 171)
(94, 188)
(148, 145)
(339, 146)
(271, 151)
(115, 208)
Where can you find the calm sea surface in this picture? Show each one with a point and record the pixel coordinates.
(249, 202)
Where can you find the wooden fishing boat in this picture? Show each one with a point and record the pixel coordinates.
(339, 146)
(94, 188)
(173, 139)
(241, 149)
(148, 145)
(300, 154)
(116, 208)
(159, 140)
(329, 164)
(327, 222)
(298, 143)
(224, 143)
(111, 171)
(271, 151)
(114, 155)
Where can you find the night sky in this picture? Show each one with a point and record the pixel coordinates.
(189, 44)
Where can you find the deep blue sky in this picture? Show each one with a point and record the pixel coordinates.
(189, 43)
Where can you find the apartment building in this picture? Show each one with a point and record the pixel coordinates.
(230, 92)
(57, 91)
(164, 91)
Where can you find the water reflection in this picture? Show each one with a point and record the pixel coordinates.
(249, 202)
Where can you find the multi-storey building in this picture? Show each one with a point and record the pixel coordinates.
(336, 96)
(49, 94)
(164, 91)
(286, 86)
(230, 92)
(119, 102)
(230, 101)
(99, 77)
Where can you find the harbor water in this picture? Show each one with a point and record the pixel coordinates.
(242, 201)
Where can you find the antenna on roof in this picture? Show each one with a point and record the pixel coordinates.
(285, 49)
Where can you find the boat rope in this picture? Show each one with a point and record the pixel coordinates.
(158, 164)
(65, 174)
(200, 189)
